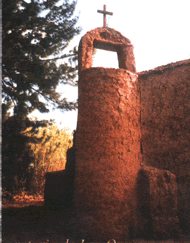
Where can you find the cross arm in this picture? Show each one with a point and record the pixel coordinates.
(104, 12)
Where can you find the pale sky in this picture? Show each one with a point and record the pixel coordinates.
(158, 29)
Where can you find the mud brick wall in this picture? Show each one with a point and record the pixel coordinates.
(54, 193)
(165, 124)
(157, 204)
(59, 186)
(165, 116)
(108, 153)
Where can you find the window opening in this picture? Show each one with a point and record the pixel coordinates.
(104, 58)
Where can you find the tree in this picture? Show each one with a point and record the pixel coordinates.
(49, 153)
(17, 154)
(33, 32)
(29, 152)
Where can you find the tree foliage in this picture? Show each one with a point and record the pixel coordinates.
(35, 32)
(16, 154)
(29, 152)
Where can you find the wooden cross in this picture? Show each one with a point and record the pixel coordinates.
(104, 12)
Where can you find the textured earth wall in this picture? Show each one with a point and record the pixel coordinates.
(108, 148)
(165, 115)
(157, 204)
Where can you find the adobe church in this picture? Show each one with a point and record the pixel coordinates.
(128, 172)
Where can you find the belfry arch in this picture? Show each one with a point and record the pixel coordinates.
(106, 39)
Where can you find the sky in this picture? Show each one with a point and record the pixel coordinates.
(158, 29)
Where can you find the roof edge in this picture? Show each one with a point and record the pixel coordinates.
(163, 68)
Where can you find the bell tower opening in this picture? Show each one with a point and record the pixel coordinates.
(110, 41)
(105, 58)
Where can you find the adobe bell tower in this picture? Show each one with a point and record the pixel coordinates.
(106, 190)
(108, 152)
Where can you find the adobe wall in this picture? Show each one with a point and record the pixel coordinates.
(165, 115)
(108, 148)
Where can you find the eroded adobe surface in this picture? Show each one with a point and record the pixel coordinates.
(157, 203)
(106, 39)
(108, 148)
(165, 115)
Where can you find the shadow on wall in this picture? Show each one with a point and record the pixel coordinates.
(143, 205)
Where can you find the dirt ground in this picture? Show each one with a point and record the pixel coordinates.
(27, 220)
